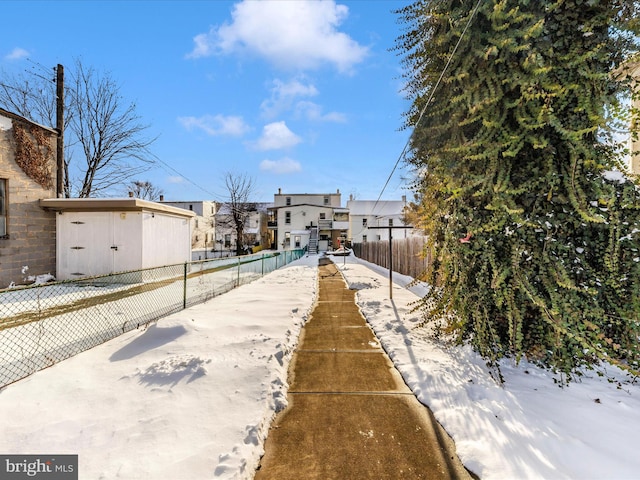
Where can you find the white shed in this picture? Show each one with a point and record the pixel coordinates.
(99, 236)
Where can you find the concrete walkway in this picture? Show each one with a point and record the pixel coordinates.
(350, 415)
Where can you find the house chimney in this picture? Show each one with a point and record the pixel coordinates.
(162, 198)
(130, 194)
(351, 197)
(279, 191)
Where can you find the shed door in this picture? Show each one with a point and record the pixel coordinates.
(96, 243)
(84, 244)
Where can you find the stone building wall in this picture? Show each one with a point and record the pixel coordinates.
(30, 239)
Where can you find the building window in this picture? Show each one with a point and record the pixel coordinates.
(288, 201)
(364, 222)
(323, 216)
(364, 239)
(3, 207)
(391, 222)
(227, 240)
(287, 218)
(326, 200)
(190, 207)
(297, 241)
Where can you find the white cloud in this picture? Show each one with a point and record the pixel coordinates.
(216, 125)
(290, 34)
(276, 136)
(283, 94)
(176, 179)
(17, 54)
(282, 166)
(313, 111)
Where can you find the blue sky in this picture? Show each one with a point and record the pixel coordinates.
(303, 96)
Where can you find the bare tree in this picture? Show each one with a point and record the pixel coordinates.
(238, 209)
(105, 140)
(144, 190)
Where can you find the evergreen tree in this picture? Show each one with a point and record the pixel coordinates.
(535, 243)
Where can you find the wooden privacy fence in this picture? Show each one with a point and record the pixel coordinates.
(409, 255)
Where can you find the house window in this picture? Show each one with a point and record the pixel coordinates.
(326, 200)
(190, 207)
(297, 241)
(287, 218)
(227, 240)
(323, 216)
(364, 222)
(288, 201)
(391, 222)
(3, 207)
(364, 239)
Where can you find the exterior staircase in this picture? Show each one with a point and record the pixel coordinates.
(313, 241)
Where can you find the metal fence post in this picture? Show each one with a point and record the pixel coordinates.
(238, 281)
(184, 288)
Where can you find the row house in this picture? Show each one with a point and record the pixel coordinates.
(369, 220)
(255, 232)
(316, 221)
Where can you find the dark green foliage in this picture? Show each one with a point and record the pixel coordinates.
(512, 152)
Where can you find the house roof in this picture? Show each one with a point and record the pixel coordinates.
(15, 116)
(328, 207)
(111, 205)
(260, 207)
(373, 208)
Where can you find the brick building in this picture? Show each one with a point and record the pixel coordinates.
(27, 174)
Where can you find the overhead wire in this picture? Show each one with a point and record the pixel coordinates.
(213, 195)
(424, 109)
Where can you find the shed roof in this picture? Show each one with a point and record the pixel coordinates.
(111, 205)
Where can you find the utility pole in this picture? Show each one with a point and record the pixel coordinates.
(60, 127)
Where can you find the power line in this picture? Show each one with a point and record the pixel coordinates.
(213, 195)
(424, 109)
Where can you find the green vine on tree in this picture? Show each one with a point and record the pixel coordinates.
(535, 237)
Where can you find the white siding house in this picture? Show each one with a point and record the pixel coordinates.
(367, 216)
(313, 220)
(103, 236)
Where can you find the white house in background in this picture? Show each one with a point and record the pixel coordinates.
(255, 227)
(203, 227)
(367, 216)
(313, 220)
(106, 235)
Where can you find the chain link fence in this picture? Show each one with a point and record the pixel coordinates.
(41, 325)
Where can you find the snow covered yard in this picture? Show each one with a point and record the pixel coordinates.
(192, 396)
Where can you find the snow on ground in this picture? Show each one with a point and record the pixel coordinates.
(191, 397)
